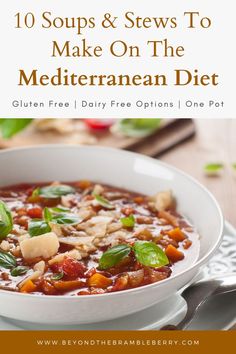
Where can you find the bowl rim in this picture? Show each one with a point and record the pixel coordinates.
(195, 265)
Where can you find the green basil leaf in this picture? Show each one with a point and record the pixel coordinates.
(103, 202)
(113, 256)
(35, 192)
(57, 276)
(66, 219)
(6, 222)
(234, 166)
(38, 227)
(149, 254)
(47, 215)
(128, 221)
(7, 260)
(20, 270)
(59, 209)
(213, 168)
(139, 127)
(56, 191)
(12, 126)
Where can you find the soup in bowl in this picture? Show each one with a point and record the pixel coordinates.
(89, 234)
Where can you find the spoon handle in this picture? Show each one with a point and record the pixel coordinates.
(195, 296)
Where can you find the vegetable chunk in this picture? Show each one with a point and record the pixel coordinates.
(44, 246)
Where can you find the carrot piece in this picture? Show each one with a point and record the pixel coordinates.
(139, 200)
(84, 184)
(176, 234)
(28, 287)
(99, 281)
(173, 254)
(68, 285)
(47, 288)
(187, 243)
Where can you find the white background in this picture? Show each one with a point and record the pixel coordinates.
(210, 51)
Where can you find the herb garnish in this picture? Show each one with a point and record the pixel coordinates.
(128, 221)
(146, 253)
(7, 260)
(6, 222)
(149, 254)
(59, 209)
(113, 256)
(11, 126)
(66, 219)
(57, 276)
(139, 127)
(47, 215)
(55, 191)
(213, 168)
(103, 202)
(20, 270)
(39, 227)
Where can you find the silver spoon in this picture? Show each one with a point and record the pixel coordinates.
(199, 293)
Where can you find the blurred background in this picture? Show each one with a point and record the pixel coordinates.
(206, 149)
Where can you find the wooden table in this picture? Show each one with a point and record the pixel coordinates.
(215, 141)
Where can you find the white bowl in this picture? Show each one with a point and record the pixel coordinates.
(122, 169)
